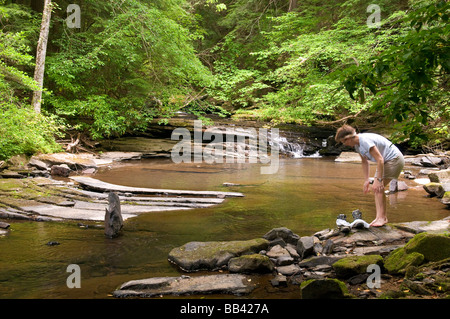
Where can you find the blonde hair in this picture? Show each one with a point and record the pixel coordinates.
(343, 132)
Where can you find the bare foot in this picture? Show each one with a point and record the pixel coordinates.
(378, 222)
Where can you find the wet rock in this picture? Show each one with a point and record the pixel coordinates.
(235, 284)
(397, 186)
(213, 255)
(113, 216)
(279, 281)
(255, 263)
(446, 199)
(323, 289)
(436, 189)
(354, 265)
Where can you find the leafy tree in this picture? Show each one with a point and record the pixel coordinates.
(410, 78)
(22, 131)
(130, 61)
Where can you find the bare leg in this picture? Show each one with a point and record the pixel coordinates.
(380, 205)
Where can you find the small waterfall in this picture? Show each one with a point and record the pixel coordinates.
(295, 149)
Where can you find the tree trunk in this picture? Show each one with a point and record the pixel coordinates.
(292, 5)
(40, 55)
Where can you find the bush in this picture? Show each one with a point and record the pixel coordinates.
(22, 131)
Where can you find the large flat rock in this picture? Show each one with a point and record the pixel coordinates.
(435, 227)
(385, 234)
(97, 185)
(235, 284)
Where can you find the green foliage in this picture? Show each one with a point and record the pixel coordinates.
(139, 63)
(283, 61)
(22, 131)
(409, 79)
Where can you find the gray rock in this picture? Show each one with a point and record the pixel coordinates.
(113, 216)
(289, 270)
(305, 246)
(435, 227)
(279, 281)
(235, 284)
(250, 263)
(284, 233)
(278, 251)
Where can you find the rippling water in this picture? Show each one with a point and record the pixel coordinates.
(305, 195)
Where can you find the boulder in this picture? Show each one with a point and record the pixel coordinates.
(432, 246)
(442, 176)
(250, 263)
(213, 255)
(436, 189)
(323, 289)
(398, 261)
(284, 233)
(354, 265)
(305, 246)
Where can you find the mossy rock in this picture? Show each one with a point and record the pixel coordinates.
(324, 289)
(251, 263)
(432, 246)
(398, 261)
(195, 256)
(354, 265)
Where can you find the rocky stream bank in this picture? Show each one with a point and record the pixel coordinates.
(328, 264)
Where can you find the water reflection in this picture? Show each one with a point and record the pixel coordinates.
(305, 195)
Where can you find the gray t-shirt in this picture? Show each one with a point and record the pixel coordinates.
(367, 140)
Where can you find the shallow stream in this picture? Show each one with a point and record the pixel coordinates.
(305, 196)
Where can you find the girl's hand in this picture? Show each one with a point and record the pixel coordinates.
(378, 186)
(366, 187)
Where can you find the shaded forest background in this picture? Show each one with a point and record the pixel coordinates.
(310, 62)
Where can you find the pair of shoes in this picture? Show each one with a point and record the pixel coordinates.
(357, 223)
(343, 224)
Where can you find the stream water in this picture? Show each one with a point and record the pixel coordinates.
(305, 195)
